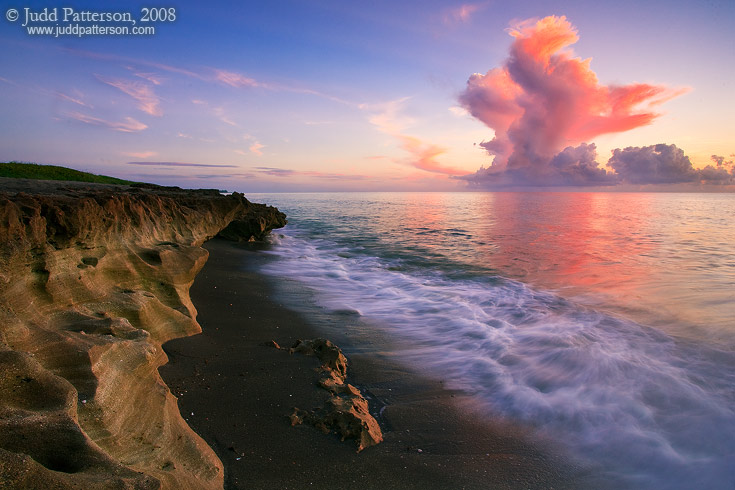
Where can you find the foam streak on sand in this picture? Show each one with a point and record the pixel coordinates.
(94, 280)
(632, 400)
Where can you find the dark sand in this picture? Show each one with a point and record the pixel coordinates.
(237, 394)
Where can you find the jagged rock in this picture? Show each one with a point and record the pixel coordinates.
(254, 227)
(331, 357)
(93, 279)
(346, 411)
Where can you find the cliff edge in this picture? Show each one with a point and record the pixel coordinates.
(93, 280)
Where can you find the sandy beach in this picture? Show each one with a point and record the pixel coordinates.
(237, 392)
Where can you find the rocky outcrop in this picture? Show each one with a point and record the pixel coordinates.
(346, 411)
(93, 280)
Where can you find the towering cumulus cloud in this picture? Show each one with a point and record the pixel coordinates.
(543, 100)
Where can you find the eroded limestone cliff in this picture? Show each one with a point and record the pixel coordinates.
(93, 279)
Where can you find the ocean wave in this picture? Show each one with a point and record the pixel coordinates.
(643, 405)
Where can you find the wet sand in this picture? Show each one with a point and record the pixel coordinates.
(237, 393)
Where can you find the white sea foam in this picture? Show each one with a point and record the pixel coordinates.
(646, 407)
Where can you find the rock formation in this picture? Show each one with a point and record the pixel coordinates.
(93, 280)
(346, 411)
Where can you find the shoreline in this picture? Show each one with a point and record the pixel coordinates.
(237, 393)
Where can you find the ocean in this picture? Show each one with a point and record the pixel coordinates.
(605, 321)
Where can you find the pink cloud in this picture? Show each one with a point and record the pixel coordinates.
(181, 164)
(256, 147)
(128, 125)
(387, 116)
(125, 59)
(458, 111)
(151, 77)
(234, 79)
(209, 75)
(543, 99)
(147, 101)
(425, 154)
(462, 13)
(220, 113)
(140, 154)
(238, 80)
(75, 100)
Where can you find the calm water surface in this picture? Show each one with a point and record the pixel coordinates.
(606, 320)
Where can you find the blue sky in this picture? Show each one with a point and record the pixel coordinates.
(329, 95)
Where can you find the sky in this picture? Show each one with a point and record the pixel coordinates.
(381, 96)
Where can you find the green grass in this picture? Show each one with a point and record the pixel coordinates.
(17, 170)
